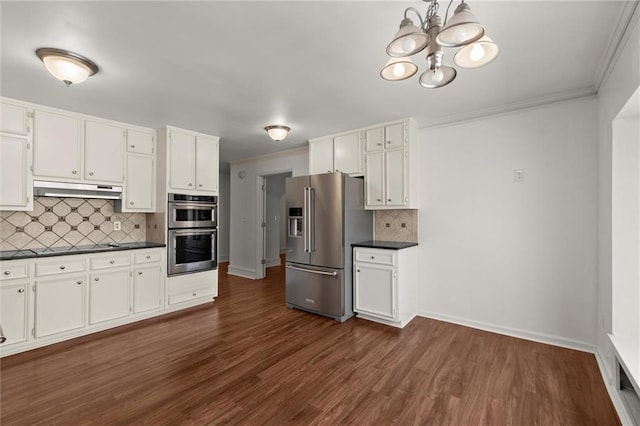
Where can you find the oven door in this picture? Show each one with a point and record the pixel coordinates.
(192, 215)
(192, 250)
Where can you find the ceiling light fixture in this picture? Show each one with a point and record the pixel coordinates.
(68, 67)
(462, 30)
(278, 132)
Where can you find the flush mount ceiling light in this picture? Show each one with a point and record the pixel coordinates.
(68, 67)
(277, 133)
(462, 30)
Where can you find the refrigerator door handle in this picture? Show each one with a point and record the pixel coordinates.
(305, 220)
(333, 274)
(312, 220)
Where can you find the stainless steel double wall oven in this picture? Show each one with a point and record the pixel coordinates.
(192, 222)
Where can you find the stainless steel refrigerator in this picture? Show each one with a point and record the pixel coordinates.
(325, 215)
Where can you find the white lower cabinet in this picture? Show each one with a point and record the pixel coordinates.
(385, 282)
(109, 296)
(47, 300)
(13, 310)
(147, 289)
(59, 304)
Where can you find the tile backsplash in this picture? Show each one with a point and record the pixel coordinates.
(396, 225)
(58, 222)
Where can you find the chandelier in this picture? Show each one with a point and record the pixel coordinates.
(462, 30)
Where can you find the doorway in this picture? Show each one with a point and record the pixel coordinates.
(272, 237)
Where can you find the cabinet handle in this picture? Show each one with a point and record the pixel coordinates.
(373, 257)
(90, 173)
(190, 184)
(133, 146)
(379, 144)
(62, 267)
(79, 282)
(130, 203)
(21, 290)
(96, 279)
(200, 185)
(112, 262)
(7, 272)
(379, 200)
(148, 256)
(357, 270)
(389, 200)
(194, 294)
(140, 273)
(75, 172)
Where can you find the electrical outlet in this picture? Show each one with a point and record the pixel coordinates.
(518, 175)
(117, 226)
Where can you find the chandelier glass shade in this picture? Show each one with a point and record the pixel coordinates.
(68, 67)
(462, 30)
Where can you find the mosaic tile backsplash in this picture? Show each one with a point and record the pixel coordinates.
(396, 225)
(60, 222)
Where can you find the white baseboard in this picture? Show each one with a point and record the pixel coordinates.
(514, 332)
(610, 384)
(242, 272)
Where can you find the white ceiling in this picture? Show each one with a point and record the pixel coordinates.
(231, 68)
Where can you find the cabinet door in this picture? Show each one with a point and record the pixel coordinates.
(139, 142)
(182, 160)
(374, 139)
(13, 312)
(57, 142)
(347, 153)
(146, 289)
(109, 295)
(395, 136)
(13, 119)
(16, 190)
(104, 152)
(59, 305)
(395, 166)
(374, 181)
(375, 290)
(320, 156)
(207, 164)
(139, 190)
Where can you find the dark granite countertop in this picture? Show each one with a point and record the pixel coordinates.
(390, 245)
(64, 251)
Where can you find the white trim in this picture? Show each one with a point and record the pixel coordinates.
(278, 154)
(511, 108)
(242, 272)
(514, 332)
(626, 22)
(609, 383)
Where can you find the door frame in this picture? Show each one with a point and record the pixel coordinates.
(260, 252)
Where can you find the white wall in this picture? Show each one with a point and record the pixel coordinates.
(515, 257)
(244, 251)
(223, 217)
(612, 96)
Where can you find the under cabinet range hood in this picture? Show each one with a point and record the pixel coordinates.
(76, 190)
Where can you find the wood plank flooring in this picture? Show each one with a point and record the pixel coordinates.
(247, 359)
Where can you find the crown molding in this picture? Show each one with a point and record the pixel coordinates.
(293, 151)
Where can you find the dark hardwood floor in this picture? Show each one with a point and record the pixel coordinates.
(247, 359)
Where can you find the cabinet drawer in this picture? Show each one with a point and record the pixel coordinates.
(114, 261)
(190, 295)
(61, 266)
(10, 271)
(383, 257)
(146, 257)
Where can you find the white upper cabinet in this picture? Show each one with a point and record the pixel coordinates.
(337, 153)
(140, 142)
(140, 185)
(16, 187)
(391, 162)
(57, 146)
(104, 152)
(192, 161)
(206, 169)
(320, 156)
(14, 119)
